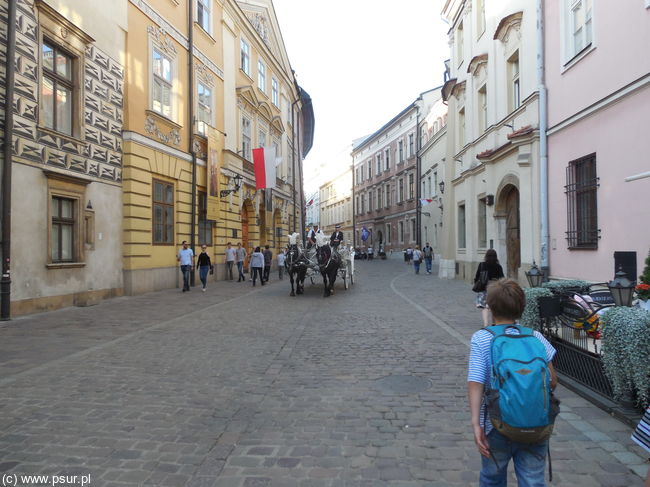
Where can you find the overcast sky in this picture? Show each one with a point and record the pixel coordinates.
(362, 62)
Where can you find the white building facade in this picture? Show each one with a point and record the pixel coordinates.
(492, 161)
(336, 205)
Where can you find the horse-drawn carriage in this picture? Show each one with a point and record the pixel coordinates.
(321, 259)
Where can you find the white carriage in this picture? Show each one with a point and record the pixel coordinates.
(346, 270)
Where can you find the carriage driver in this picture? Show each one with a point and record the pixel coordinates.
(336, 238)
(311, 239)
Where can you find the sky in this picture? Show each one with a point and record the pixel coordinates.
(362, 62)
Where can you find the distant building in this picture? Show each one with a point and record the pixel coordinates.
(386, 180)
(312, 209)
(336, 205)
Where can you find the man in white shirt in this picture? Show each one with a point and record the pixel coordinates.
(186, 258)
(241, 256)
(281, 262)
(230, 260)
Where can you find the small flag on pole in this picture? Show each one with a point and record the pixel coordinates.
(311, 202)
(264, 161)
(425, 201)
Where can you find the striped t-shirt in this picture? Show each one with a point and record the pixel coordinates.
(641, 434)
(480, 362)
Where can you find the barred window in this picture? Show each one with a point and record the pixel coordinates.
(582, 206)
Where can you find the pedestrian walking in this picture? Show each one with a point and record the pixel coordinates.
(186, 258)
(417, 259)
(525, 396)
(257, 265)
(371, 252)
(282, 258)
(488, 270)
(204, 266)
(268, 259)
(240, 253)
(427, 253)
(231, 255)
(641, 436)
(409, 255)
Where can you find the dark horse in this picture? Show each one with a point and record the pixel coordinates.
(329, 263)
(296, 264)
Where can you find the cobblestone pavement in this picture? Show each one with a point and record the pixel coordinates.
(243, 386)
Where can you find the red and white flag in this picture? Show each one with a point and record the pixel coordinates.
(311, 201)
(264, 160)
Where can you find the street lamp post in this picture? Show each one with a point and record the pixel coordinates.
(535, 276)
(622, 288)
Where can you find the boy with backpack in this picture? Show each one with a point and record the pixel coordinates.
(511, 402)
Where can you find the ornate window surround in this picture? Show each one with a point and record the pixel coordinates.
(160, 39)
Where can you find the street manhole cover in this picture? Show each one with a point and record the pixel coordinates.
(403, 384)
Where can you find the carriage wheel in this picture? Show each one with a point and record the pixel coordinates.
(344, 276)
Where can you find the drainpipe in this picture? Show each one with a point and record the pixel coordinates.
(418, 170)
(293, 160)
(190, 16)
(543, 143)
(354, 211)
(5, 282)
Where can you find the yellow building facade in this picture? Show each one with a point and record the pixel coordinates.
(190, 124)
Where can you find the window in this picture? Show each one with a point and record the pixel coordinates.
(205, 226)
(379, 202)
(275, 97)
(459, 44)
(162, 83)
(245, 57)
(245, 138)
(482, 106)
(400, 149)
(401, 231)
(461, 128)
(387, 233)
(461, 226)
(57, 89)
(387, 195)
(400, 191)
(261, 138)
(63, 229)
(378, 164)
(261, 76)
(411, 145)
(369, 170)
(434, 188)
(480, 17)
(432, 191)
(386, 159)
(514, 96)
(363, 203)
(203, 17)
(424, 189)
(411, 187)
(204, 115)
(579, 26)
(582, 205)
(163, 213)
(356, 205)
(482, 223)
(413, 231)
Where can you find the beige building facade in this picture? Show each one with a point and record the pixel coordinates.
(336, 205)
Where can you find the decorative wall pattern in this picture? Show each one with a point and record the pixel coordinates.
(98, 152)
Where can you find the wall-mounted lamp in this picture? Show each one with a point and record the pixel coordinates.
(442, 187)
(489, 200)
(89, 206)
(236, 180)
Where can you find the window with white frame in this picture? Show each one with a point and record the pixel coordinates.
(162, 83)
(400, 148)
(275, 97)
(411, 145)
(246, 138)
(461, 227)
(261, 138)
(387, 195)
(480, 17)
(379, 198)
(378, 172)
(387, 159)
(482, 107)
(369, 169)
(400, 190)
(356, 204)
(460, 39)
(411, 186)
(261, 76)
(204, 115)
(363, 203)
(370, 198)
(579, 26)
(245, 64)
(514, 93)
(203, 17)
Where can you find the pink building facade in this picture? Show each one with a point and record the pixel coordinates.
(598, 80)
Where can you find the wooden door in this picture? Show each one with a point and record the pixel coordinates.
(244, 234)
(513, 238)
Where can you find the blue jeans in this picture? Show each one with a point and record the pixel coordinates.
(529, 461)
(203, 274)
(186, 269)
(416, 265)
(240, 269)
(427, 261)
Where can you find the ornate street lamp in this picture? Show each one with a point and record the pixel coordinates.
(236, 180)
(622, 288)
(442, 187)
(535, 276)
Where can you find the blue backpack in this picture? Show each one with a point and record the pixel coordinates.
(519, 399)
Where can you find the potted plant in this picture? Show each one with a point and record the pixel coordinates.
(575, 286)
(531, 317)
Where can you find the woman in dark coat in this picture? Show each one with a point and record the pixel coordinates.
(495, 271)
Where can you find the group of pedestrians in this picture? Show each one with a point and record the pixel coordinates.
(417, 256)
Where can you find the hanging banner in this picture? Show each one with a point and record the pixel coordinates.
(215, 151)
(365, 233)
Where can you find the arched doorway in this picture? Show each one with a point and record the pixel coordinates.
(513, 231)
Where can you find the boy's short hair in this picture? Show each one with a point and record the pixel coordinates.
(506, 299)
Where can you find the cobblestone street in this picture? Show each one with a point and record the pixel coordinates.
(243, 386)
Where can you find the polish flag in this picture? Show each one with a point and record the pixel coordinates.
(311, 201)
(264, 161)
